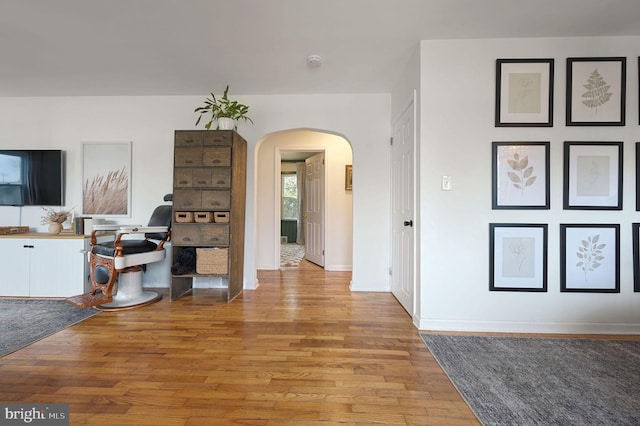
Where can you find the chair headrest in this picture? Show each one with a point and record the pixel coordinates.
(161, 216)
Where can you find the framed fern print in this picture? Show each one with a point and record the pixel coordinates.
(590, 258)
(520, 175)
(592, 176)
(518, 257)
(524, 93)
(596, 89)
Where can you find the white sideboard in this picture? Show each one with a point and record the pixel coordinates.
(43, 265)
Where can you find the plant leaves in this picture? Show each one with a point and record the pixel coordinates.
(514, 177)
(528, 172)
(531, 181)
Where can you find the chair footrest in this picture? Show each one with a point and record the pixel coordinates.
(89, 299)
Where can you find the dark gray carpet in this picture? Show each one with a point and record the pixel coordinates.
(24, 321)
(533, 381)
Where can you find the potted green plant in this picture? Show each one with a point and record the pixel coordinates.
(224, 111)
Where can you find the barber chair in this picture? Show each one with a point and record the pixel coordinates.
(117, 266)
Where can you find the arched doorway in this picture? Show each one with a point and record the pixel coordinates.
(338, 202)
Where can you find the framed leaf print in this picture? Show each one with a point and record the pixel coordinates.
(518, 257)
(590, 258)
(596, 91)
(592, 176)
(524, 93)
(520, 175)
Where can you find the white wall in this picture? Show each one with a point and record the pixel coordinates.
(457, 118)
(149, 122)
(338, 207)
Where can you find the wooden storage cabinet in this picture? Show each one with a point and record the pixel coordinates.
(209, 191)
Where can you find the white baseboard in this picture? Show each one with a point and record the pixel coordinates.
(522, 327)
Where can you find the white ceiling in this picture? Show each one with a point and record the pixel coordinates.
(193, 47)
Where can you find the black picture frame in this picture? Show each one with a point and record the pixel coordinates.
(637, 176)
(596, 91)
(520, 175)
(590, 258)
(518, 257)
(524, 92)
(636, 256)
(592, 175)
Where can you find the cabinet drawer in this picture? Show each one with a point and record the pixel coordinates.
(200, 234)
(188, 157)
(202, 178)
(216, 156)
(215, 200)
(220, 178)
(217, 138)
(185, 233)
(187, 199)
(214, 234)
(182, 177)
(183, 138)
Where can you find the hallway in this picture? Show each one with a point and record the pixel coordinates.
(301, 349)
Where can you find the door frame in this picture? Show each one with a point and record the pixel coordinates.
(278, 193)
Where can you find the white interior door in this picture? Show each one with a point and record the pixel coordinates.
(402, 209)
(314, 209)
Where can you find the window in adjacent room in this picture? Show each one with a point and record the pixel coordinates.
(289, 196)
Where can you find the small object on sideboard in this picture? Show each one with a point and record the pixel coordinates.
(8, 230)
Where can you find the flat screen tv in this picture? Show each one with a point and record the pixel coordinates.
(31, 177)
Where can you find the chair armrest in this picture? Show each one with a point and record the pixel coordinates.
(102, 228)
(141, 229)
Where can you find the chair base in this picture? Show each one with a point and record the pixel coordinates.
(130, 293)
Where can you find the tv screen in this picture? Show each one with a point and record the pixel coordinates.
(31, 177)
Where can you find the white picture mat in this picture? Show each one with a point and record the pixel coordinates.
(507, 193)
(610, 72)
(536, 95)
(506, 257)
(586, 168)
(601, 277)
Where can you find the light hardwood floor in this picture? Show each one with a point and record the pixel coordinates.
(301, 349)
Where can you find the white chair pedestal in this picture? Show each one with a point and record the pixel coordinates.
(130, 293)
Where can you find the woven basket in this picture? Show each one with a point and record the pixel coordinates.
(203, 217)
(184, 217)
(221, 217)
(213, 260)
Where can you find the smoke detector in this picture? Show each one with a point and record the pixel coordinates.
(314, 61)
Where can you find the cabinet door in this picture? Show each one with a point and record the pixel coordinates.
(57, 267)
(14, 267)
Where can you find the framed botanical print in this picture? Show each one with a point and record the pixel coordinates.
(518, 257)
(590, 258)
(520, 175)
(524, 93)
(596, 89)
(592, 176)
(106, 179)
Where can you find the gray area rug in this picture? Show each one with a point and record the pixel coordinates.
(24, 321)
(543, 381)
